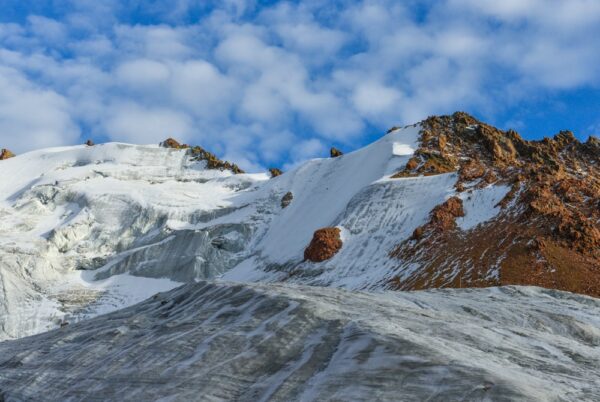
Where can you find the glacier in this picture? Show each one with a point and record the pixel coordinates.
(281, 342)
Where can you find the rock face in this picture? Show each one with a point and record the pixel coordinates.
(5, 154)
(212, 161)
(286, 200)
(443, 216)
(198, 154)
(334, 152)
(547, 228)
(325, 244)
(171, 143)
(275, 172)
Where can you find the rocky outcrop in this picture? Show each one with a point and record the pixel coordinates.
(172, 143)
(5, 154)
(287, 199)
(275, 172)
(199, 154)
(325, 244)
(547, 232)
(334, 152)
(212, 161)
(89, 143)
(441, 219)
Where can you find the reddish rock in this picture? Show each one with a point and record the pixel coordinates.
(5, 154)
(471, 170)
(334, 152)
(275, 172)
(412, 163)
(325, 244)
(443, 216)
(170, 143)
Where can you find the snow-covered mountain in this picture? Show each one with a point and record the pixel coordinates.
(447, 203)
(78, 222)
(88, 229)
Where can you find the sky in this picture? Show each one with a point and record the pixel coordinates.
(273, 83)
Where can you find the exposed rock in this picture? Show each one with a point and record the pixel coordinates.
(171, 143)
(5, 154)
(212, 161)
(89, 143)
(287, 199)
(471, 170)
(334, 152)
(553, 198)
(418, 233)
(325, 244)
(412, 163)
(275, 172)
(443, 216)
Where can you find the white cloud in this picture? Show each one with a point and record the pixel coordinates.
(203, 89)
(130, 122)
(143, 73)
(374, 100)
(32, 117)
(46, 29)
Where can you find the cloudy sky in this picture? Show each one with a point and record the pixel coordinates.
(272, 83)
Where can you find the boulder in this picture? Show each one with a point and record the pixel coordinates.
(334, 152)
(275, 172)
(171, 143)
(287, 199)
(5, 154)
(326, 242)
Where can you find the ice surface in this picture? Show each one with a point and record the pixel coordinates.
(285, 343)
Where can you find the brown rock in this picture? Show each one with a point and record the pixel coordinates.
(412, 163)
(275, 172)
(418, 233)
(5, 154)
(334, 152)
(212, 161)
(443, 216)
(471, 170)
(325, 244)
(170, 143)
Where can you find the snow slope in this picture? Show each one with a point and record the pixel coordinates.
(70, 217)
(285, 343)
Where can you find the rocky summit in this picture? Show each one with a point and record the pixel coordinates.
(162, 272)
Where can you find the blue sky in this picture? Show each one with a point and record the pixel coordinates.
(273, 83)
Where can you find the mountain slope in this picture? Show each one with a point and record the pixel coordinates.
(449, 202)
(280, 342)
(545, 196)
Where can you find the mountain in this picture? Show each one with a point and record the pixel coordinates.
(450, 202)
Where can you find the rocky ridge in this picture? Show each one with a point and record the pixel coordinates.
(547, 232)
